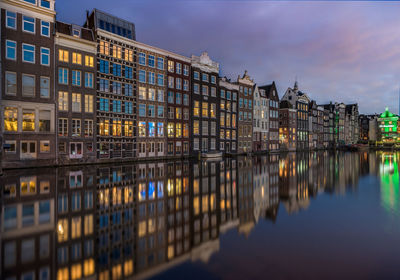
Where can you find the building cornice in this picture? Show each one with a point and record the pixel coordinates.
(22, 7)
(75, 42)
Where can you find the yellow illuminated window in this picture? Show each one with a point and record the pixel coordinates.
(205, 109)
(76, 271)
(128, 55)
(105, 48)
(178, 113)
(196, 186)
(196, 205)
(170, 251)
(128, 267)
(28, 186)
(196, 127)
(128, 128)
(204, 203)
(88, 227)
(88, 267)
(196, 109)
(116, 127)
(142, 228)
(76, 227)
(104, 127)
(76, 58)
(170, 187)
(63, 101)
(28, 120)
(103, 275)
(116, 272)
(117, 51)
(128, 194)
(185, 130)
(63, 274)
(62, 230)
(171, 130)
(10, 119)
(152, 225)
(63, 55)
(89, 61)
(213, 110)
(178, 130)
(171, 67)
(88, 103)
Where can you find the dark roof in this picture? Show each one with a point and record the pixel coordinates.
(268, 90)
(285, 105)
(67, 29)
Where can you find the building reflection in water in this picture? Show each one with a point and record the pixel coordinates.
(117, 221)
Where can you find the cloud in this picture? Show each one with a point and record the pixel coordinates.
(340, 51)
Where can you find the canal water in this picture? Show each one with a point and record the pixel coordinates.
(312, 215)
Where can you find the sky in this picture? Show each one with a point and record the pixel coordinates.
(338, 51)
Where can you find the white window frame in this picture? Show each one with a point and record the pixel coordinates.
(41, 56)
(28, 155)
(16, 83)
(75, 155)
(34, 51)
(15, 57)
(11, 27)
(34, 25)
(40, 92)
(41, 28)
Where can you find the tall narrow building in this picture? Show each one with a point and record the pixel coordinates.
(273, 133)
(75, 62)
(245, 138)
(27, 98)
(204, 103)
(116, 86)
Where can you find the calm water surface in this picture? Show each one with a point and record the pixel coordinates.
(294, 216)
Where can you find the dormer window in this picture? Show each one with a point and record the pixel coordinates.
(45, 4)
(76, 32)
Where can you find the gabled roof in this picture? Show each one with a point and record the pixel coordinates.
(285, 105)
(269, 89)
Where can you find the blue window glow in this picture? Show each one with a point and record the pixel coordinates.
(45, 56)
(196, 75)
(142, 110)
(89, 80)
(104, 105)
(152, 78)
(63, 76)
(104, 85)
(28, 53)
(45, 4)
(228, 95)
(128, 72)
(11, 20)
(117, 106)
(28, 24)
(160, 79)
(128, 107)
(142, 76)
(178, 98)
(170, 97)
(117, 70)
(117, 88)
(152, 131)
(104, 67)
(160, 63)
(76, 78)
(151, 61)
(142, 58)
(11, 50)
(46, 28)
(31, 1)
(128, 90)
(160, 189)
(152, 189)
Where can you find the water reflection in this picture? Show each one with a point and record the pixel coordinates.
(111, 222)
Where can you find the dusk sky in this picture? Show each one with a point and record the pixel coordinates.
(339, 51)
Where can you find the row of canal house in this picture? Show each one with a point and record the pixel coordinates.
(93, 93)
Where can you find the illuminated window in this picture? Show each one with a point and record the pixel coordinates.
(160, 129)
(142, 93)
(63, 274)
(142, 129)
(88, 267)
(76, 58)
(196, 109)
(196, 127)
(171, 67)
(185, 130)
(10, 119)
(117, 51)
(128, 128)
(128, 267)
(89, 61)
(142, 228)
(62, 230)
(170, 130)
(178, 130)
(63, 55)
(105, 48)
(88, 224)
(213, 107)
(129, 55)
(76, 271)
(28, 120)
(75, 227)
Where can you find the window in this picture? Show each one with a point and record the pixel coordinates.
(44, 87)
(196, 88)
(213, 110)
(142, 110)
(117, 69)
(10, 250)
(76, 127)
(178, 98)
(45, 4)
(128, 72)
(160, 111)
(142, 76)
(104, 67)
(160, 79)
(128, 90)
(45, 28)
(151, 60)
(186, 70)
(11, 20)
(89, 61)
(28, 85)
(171, 66)
(10, 217)
(44, 120)
(76, 58)
(178, 113)
(204, 90)
(28, 53)
(89, 103)
(63, 76)
(171, 130)
(152, 129)
(10, 119)
(142, 93)
(76, 102)
(28, 247)
(105, 48)
(45, 56)
(63, 101)
(117, 51)
(185, 85)
(128, 107)
(213, 79)
(213, 91)
(76, 78)
(62, 127)
(196, 127)
(152, 94)
(104, 85)
(150, 111)
(160, 63)
(186, 114)
(142, 58)
(142, 129)
(160, 95)
(178, 83)
(28, 24)
(88, 128)
(129, 55)
(204, 128)
(196, 109)
(117, 87)
(63, 55)
(204, 77)
(89, 80)
(196, 75)
(44, 211)
(28, 216)
(204, 109)
(152, 78)
(11, 83)
(11, 50)
(170, 97)
(11, 149)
